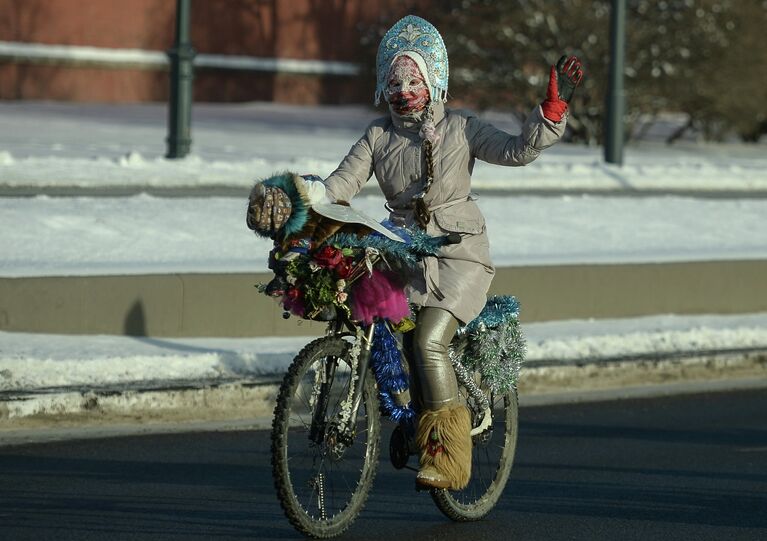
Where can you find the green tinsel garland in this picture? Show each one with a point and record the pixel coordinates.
(496, 347)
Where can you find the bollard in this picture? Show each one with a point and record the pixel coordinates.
(181, 75)
(616, 99)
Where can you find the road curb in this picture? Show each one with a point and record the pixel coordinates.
(252, 401)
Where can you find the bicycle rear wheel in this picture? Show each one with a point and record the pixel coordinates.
(491, 462)
(322, 478)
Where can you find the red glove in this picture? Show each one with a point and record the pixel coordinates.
(553, 107)
(571, 72)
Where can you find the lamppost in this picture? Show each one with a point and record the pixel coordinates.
(616, 99)
(181, 75)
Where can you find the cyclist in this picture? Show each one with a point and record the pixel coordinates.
(422, 155)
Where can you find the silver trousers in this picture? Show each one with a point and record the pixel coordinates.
(436, 381)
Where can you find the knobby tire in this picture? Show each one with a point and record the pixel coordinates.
(485, 487)
(354, 493)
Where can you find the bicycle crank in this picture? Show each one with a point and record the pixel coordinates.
(485, 424)
(400, 448)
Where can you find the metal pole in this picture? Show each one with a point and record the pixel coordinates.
(181, 75)
(616, 98)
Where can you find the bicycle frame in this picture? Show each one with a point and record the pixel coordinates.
(319, 412)
(346, 431)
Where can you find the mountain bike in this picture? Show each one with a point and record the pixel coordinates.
(327, 422)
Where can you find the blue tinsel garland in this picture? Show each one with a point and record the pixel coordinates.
(417, 244)
(386, 362)
(498, 310)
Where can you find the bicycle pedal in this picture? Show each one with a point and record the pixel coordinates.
(421, 488)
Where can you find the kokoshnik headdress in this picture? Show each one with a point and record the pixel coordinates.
(414, 34)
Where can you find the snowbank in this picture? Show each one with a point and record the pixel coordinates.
(34, 361)
(142, 234)
(116, 146)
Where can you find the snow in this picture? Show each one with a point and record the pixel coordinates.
(119, 147)
(145, 234)
(38, 361)
(35, 361)
(143, 58)
(570, 169)
(123, 145)
(44, 146)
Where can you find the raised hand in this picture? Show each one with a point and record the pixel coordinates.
(569, 74)
(563, 79)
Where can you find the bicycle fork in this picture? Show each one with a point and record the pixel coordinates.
(346, 433)
(318, 426)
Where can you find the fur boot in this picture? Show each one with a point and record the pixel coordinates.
(445, 443)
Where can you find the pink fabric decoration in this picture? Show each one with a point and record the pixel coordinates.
(378, 296)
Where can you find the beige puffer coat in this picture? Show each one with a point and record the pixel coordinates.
(459, 278)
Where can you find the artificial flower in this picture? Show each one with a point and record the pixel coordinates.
(344, 268)
(293, 293)
(328, 256)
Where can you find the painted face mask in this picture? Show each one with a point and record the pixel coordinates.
(406, 90)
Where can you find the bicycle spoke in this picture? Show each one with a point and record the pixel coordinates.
(491, 463)
(323, 478)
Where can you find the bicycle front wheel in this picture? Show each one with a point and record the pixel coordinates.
(322, 472)
(492, 458)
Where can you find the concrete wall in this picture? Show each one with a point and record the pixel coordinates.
(229, 304)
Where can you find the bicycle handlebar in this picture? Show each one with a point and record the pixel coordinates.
(453, 238)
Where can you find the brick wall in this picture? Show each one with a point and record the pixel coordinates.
(296, 29)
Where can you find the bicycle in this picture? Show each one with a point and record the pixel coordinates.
(327, 421)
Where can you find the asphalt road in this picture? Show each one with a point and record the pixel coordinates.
(686, 467)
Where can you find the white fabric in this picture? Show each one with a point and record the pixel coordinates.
(315, 190)
(349, 215)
